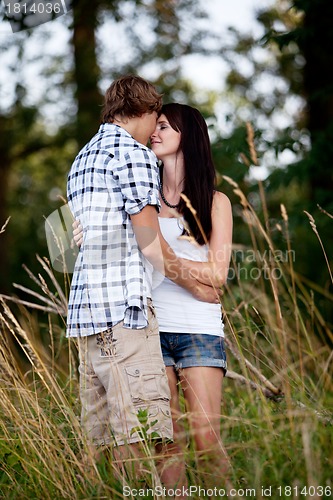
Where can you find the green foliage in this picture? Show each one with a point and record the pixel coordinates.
(37, 185)
(276, 416)
(143, 429)
(271, 444)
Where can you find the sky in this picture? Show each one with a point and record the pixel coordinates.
(239, 14)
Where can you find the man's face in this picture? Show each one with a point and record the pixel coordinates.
(148, 125)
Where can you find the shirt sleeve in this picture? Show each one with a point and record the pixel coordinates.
(137, 174)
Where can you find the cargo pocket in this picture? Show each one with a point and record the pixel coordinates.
(147, 383)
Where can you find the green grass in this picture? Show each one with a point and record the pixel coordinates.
(276, 417)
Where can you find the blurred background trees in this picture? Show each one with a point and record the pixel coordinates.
(279, 82)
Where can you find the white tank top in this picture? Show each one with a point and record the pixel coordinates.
(176, 309)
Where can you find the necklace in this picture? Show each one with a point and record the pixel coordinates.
(165, 200)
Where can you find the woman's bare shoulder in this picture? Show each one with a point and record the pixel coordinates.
(220, 201)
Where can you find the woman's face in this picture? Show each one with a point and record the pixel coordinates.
(165, 140)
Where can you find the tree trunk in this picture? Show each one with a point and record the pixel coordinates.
(86, 70)
(316, 43)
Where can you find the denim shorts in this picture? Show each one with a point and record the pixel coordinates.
(185, 350)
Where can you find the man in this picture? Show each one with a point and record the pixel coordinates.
(113, 190)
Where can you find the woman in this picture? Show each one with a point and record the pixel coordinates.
(191, 331)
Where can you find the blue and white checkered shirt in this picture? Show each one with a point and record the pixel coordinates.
(111, 178)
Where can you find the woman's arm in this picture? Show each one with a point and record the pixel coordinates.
(215, 271)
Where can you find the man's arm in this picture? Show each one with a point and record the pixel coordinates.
(160, 254)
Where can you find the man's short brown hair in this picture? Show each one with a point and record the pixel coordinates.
(130, 96)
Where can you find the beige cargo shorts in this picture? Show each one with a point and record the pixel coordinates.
(122, 377)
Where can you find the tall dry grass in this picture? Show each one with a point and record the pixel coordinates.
(277, 412)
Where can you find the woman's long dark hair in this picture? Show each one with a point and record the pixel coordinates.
(200, 175)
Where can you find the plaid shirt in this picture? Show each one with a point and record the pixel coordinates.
(111, 178)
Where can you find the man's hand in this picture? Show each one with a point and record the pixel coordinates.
(77, 233)
(206, 293)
